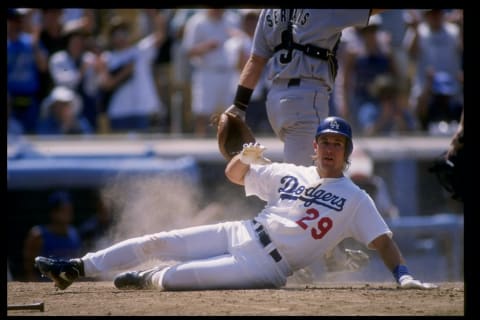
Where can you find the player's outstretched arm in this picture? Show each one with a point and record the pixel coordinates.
(394, 261)
(236, 170)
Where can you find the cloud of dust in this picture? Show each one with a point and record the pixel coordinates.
(143, 205)
(150, 204)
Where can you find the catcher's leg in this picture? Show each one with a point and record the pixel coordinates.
(295, 114)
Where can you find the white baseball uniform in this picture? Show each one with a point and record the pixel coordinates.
(304, 217)
(301, 83)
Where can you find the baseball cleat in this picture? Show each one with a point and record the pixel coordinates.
(62, 272)
(135, 279)
(129, 280)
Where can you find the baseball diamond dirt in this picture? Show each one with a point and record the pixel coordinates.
(101, 298)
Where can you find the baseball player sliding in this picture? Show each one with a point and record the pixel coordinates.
(298, 46)
(308, 211)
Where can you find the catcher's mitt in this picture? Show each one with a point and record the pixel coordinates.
(232, 134)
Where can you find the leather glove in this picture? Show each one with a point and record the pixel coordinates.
(232, 132)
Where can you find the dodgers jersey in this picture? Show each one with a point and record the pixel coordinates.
(306, 215)
(319, 27)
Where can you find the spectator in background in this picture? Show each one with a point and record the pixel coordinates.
(61, 114)
(204, 41)
(437, 107)
(87, 16)
(114, 72)
(28, 23)
(94, 230)
(368, 58)
(130, 95)
(26, 59)
(57, 238)
(51, 37)
(386, 114)
(435, 46)
(181, 74)
(75, 68)
(162, 62)
(51, 30)
(393, 23)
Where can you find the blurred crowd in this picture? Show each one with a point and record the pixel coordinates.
(94, 71)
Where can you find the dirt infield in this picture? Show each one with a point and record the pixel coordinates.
(102, 298)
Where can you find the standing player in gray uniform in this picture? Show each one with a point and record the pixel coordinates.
(301, 44)
(308, 211)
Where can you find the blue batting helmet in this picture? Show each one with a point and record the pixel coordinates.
(336, 125)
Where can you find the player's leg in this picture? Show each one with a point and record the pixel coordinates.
(222, 272)
(296, 149)
(197, 242)
(182, 244)
(295, 114)
(245, 266)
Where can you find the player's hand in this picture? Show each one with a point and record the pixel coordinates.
(346, 260)
(356, 259)
(407, 282)
(236, 110)
(252, 153)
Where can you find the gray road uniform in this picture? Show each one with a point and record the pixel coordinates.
(302, 70)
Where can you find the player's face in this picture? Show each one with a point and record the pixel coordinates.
(330, 152)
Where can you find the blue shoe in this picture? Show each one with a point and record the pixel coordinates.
(62, 272)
